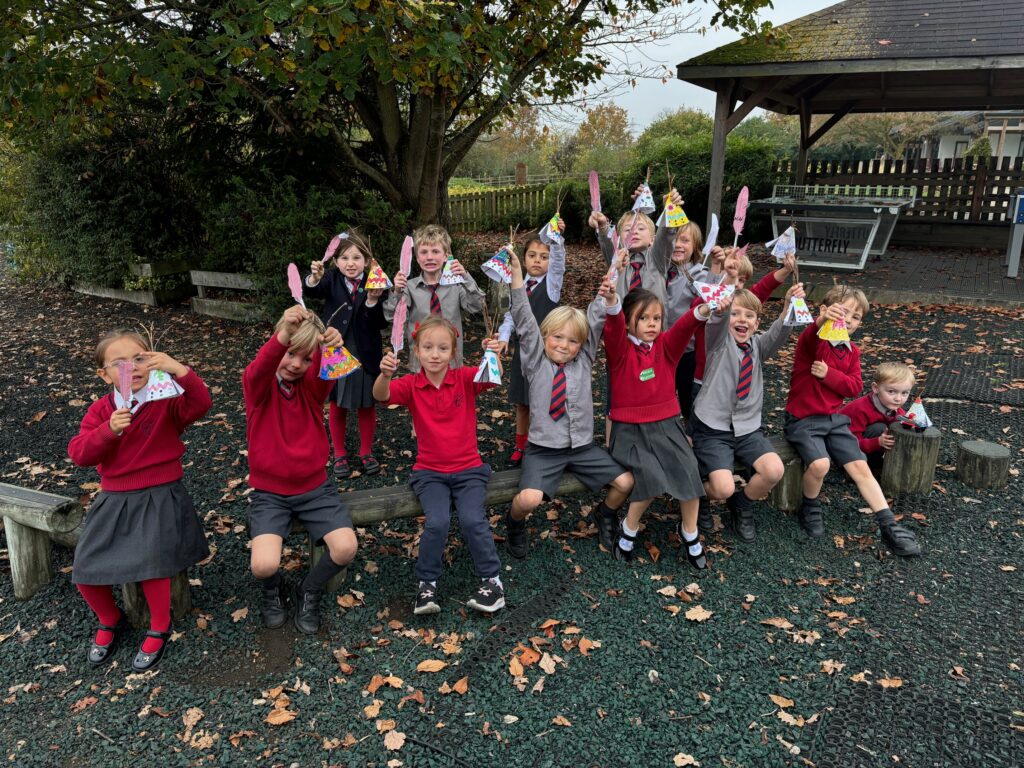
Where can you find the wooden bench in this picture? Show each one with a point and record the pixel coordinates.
(224, 308)
(34, 521)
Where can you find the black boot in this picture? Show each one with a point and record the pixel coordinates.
(812, 518)
(272, 606)
(307, 610)
(516, 537)
(742, 510)
(607, 526)
(705, 522)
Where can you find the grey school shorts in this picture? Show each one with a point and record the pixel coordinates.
(543, 467)
(823, 437)
(319, 510)
(720, 449)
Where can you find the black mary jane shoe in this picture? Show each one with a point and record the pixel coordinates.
(99, 654)
(698, 562)
(145, 661)
(624, 555)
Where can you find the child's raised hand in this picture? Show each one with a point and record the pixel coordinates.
(503, 348)
(292, 318)
(818, 369)
(457, 268)
(835, 312)
(316, 269)
(331, 338)
(886, 440)
(160, 361)
(638, 191)
(516, 267)
(494, 345)
(598, 221)
(623, 257)
(675, 197)
(389, 364)
(607, 292)
(119, 420)
(373, 296)
(789, 263)
(796, 290)
(718, 256)
(723, 304)
(400, 281)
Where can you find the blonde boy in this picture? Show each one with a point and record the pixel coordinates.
(871, 415)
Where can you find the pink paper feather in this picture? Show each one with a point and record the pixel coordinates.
(124, 379)
(295, 285)
(740, 217)
(405, 260)
(398, 327)
(331, 248)
(595, 192)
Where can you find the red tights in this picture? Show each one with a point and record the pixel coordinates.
(158, 596)
(338, 421)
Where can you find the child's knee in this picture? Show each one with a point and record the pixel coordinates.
(342, 546)
(264, 565)
(720, 485)
(819, 468)
(623, 483)
(529, 499)
(858, 469)
(772, 469)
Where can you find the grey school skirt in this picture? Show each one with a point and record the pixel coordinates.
(660, 458)
(130, 536)
(354, 390)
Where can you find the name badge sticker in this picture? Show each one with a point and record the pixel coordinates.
(646, 374)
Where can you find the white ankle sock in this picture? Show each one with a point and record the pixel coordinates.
(625, 544)
(695, 548)
(496, 581)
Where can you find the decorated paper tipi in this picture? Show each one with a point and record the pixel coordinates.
(447, 278)
(553, 227)
(645, 201)
(489, 371)
(916, 417)
(783, 245)
(834, 330)
(336, 363)
(798, 313)
(672, 216)
(712, 294)
(377, 280)
(161, 386)
(499, 267)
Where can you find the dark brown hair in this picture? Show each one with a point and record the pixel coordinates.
(637, 301)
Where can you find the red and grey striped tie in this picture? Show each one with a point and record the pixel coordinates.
(435, 303)
(634, 280)
(530, 285)
(557, 409)
(746, 375)
(673, 273)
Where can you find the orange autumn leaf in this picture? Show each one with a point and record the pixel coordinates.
(461, 686)
(527, 656)
(585, 646)
(653, 551)
(515, 668)
(431, 665)
(891, 682)
(549, 623)
(281, 716)
(562, 721)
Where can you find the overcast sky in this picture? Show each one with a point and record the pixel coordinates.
(651, 97)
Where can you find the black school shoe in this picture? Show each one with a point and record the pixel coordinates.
(273, 607)
(624, 555)
(516, 537)
(812, 519)
(146, 661)
(607, 521)
(98, 654)
(742, 517)
(488, 598)
(700, 562)
(705, 522)
(307, 610)
(899, 540)
(426, 599)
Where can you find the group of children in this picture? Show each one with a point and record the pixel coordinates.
(670, 355)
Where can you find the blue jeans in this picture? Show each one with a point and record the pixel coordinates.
(465, 491)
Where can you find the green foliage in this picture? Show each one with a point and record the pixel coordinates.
(683, 123)
(981, 149)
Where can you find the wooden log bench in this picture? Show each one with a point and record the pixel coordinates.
(34, 521)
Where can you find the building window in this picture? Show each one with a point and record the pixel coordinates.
(959, 148)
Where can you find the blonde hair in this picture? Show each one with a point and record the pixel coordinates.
(434, 321)
(894, 373)
(430, 234)
(837, 294)
(745, 269)
(747, 300)
(626, 219)
(562, 316)
(696, 237)
(100, 355)
(305, 339)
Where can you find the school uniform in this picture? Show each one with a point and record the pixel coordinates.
(646, 268)
(453, 300)
(813, 423)
(561, 433)
(544, 292)
(727, 412)
(869, 420)
(360, 326)
(142, 524)
(680, 292)
(448, 470)
(288, 449)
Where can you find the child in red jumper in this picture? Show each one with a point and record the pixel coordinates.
(284, 413)
(871, 415)
(142, 526)
(647, 433)
(448, 470)
(824, 374)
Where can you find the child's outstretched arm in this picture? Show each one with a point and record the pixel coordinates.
(664, 241)
(314, 285)
(556, 264)
(260, 376)
(505, 331)
(605, 303)
(531, 346)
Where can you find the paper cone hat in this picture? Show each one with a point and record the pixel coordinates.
(783, 245)
(644, 201)
(798, 313)
(447, 278)
(488, 371)
(499, 267)
(336, 363)
(834, 330)
(377, 280)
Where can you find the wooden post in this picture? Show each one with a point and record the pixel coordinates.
(789, 493)
(909, 466)
(981, 464)
(29, 552)
(521, 174)
(723, 108)
(137, 610)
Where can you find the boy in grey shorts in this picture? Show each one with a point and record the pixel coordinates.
(560, 357)
(726, 420)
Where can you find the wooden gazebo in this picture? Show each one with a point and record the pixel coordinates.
(866, 56)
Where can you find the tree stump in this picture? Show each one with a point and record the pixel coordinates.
(981, 464)
(137, 610)
(789, 493)
(909, 466)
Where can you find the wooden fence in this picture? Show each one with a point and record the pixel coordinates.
(475, 211)
(961, 190)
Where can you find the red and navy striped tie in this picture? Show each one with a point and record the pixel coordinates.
(557, 409)
(530, 285)
(435, 303)
(634, 280)
(746, 373)
(673, 273)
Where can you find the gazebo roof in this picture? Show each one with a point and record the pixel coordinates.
(879, 55)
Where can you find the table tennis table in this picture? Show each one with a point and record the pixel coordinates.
(837, 225)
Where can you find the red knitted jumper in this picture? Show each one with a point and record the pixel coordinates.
(644, 384)
(149, 451)
(811, 396)
(863, 414)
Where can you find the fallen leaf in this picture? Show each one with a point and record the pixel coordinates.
(1007, 568)
(673, 609)
(699, 613)
(241, 613)
(394, 740)
(547, 664)
(461, 686)
(585, 646)
(683, 759)
(85, 703)
(891, 682)
(668, 591)
(372, 710)
(549, 623)
(383, 726)
(860, 677)
(789, 719)
(653, 551)
(781, 701)
(844, 600)
(281, 716)
(515, 668)
(778, 622)
(831, 666)
(561, 720)
(192, 716)
(431, 665)
(236, 738)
